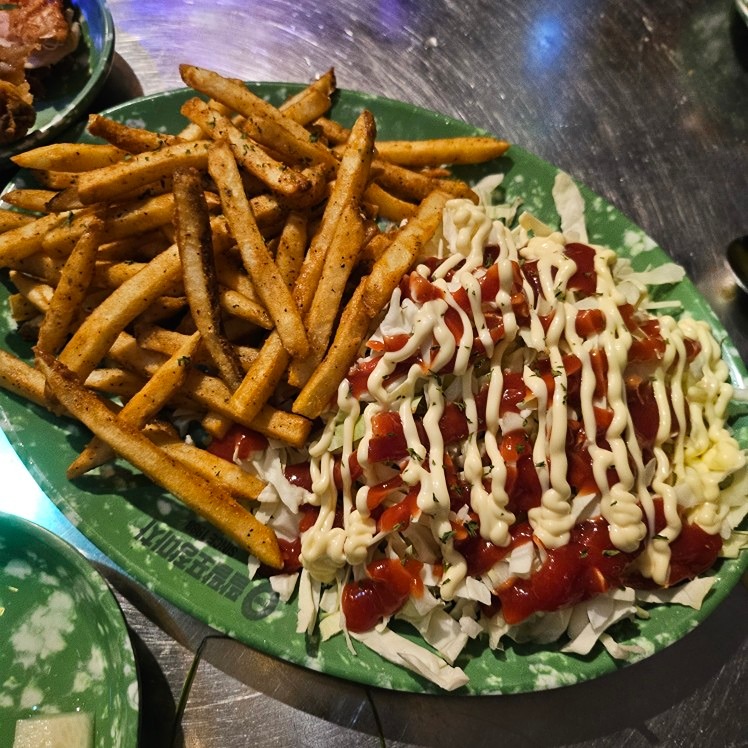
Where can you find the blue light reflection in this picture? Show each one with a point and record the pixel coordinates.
(546, 43)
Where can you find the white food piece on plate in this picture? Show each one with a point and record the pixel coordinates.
(73, 730)
(403, 652)
(570, 207)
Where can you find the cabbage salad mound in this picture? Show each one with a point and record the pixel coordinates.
(529, 448)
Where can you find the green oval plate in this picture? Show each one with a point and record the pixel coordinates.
(65, 643)
(72, 84)
(172, 552)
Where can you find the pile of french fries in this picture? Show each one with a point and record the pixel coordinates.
(233, 269)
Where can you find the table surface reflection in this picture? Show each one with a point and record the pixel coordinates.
(647, 104)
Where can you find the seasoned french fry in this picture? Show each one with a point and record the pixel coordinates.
(242, 307)
(240, 483)
(312, 101)
(207, 498)
(419, 153)
(279, 177)
(55, 180)
(40, 266)
(38, 293)
(272, 135)
(113, 380)
(399, 256)
(11, 219)
(18, 377)
(26, 239)
(412, 185)
(29, 199)
(126, 138)
(388, 206)
(71, 289)
(261, 379)
(320, 319)
(70, 157)
(142, 406)
(100, 329)
(112, 182)
(160, 339)
(240, 99)
(122, 221)
(289, 255)
(333, 132)
(21, 309)
(267, 281)
(316, 394)
(195, 244)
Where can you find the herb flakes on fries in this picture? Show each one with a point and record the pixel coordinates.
(471, 423)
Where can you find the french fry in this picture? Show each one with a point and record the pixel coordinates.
(122, 221)
(207, 498)
(142, 405)
(21, 309)
(40, 266)
(54, 180)
(241, 484)
(240, 99)
(195, 243)
(320, 319)
(38, 293)
(333, 132)
(72, 288)
(114, 380)
(435, 152)
(311, 102)
(289, 255)
(12, 219)
(279, 177)
(316, 394)
(388, 206)
(350, 183)
(261, 380)
(136, 248)
(399, 256)
(112, 182)
(29, 199)
(242, 307)
(99, 330)
(69, 157)
(413, 186)
(267, 281)
(276, 139)
(18, 377)
(27, 239)
(126, 138)
(165, 341)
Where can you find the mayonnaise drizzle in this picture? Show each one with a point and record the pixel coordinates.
(690, 399)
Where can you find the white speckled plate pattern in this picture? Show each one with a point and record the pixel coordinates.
(65, 644)
(181, 558)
